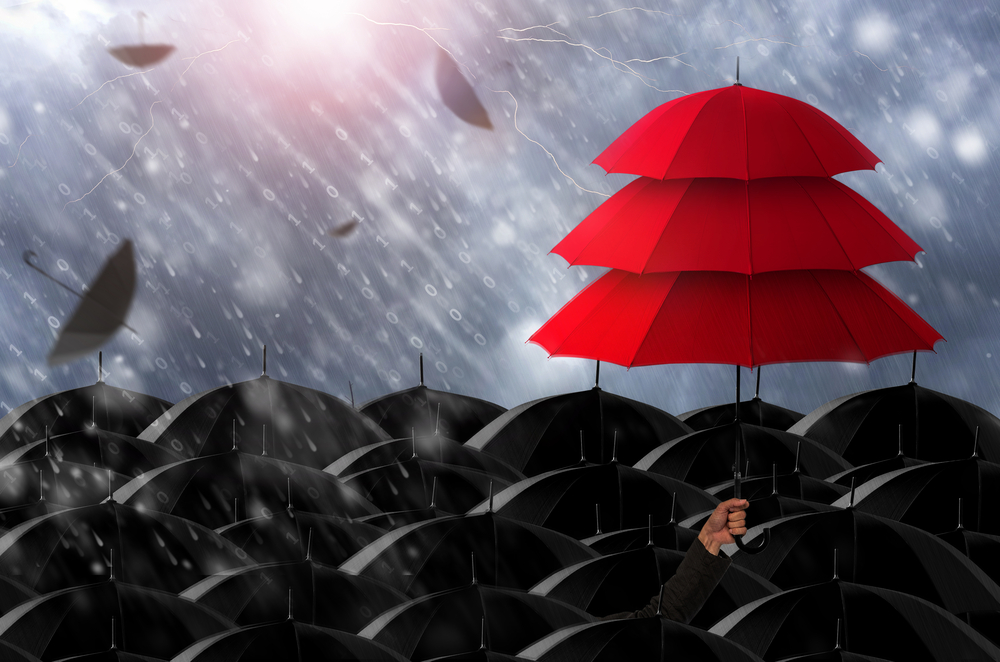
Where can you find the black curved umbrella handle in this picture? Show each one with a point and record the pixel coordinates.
(754, 549)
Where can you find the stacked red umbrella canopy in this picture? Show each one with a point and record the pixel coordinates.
(735, 245)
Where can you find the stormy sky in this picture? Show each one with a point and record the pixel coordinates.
(271, 125)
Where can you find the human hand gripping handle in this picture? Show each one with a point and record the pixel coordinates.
(728, 520)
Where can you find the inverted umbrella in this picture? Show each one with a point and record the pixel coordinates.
(146, 548)
(715, 224)
(102, 309)
(457, 94)
(141, 54)
(636, 639)
(219, 489)
(428, 411)
(876, 621)
(285, 535)
(432, 556)
(736, 132)
(620, 582)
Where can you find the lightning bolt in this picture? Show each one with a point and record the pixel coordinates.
(772, 41)
(195, 57)
(135, 73)
(19, 151)
(648, 11)
(870, 60)
(543, 27)
(426, 31)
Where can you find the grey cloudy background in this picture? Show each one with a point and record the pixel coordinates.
(273, 123)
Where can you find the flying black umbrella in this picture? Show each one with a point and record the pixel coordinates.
(704, 458)
(208, 489)
(141, 54)
(102, 309)
(433, 556)
(145, 548)
(624, 581)
(78, 620)
(876, 621)
(756, 411)
(452, 622)
(286, 640)
(99, 406)
(432, 447)
(285, 534)
(924, 495)
(544, 435)
(578, 501)
(457, 94)
(636, 639)
(864, 427)
(809, 548)
(428, 412)
(323, 595)
(408, 484)
(302, 425)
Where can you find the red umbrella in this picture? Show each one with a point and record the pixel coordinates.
(720, 317)
(736, 132)
(716, 224)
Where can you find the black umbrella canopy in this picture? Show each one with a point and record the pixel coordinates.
(410, 484)
(208, 489)
(982, 549)
(706, 457)
(795, 484)
(11, 653)
(451, 622)
(866, 549)
(864, 427)
(121, 453)
(427, 412)
(625, 581)
(639, 639)
(572, 500)
(836, 655)
(322, 595)
(430, 447)
(13, 593)
(288, 640)
(112, 655)
(14, 515)
(668, 536)
(62, 483)
(99, 405)
(925, 495)
(544, 435)
(481, 655)
(290, 422)
(862, 474)
(78, 546)
(396, 519)
(755, 410)
(287, 535)
(436, 555)
(876, 621)
(78, 621)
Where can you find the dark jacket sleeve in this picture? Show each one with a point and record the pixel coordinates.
(685, 592)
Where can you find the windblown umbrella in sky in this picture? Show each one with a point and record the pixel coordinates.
(146, 548)
(426, 411)
(457, 94)
(544, 435)
(141, 54)
(434, 555)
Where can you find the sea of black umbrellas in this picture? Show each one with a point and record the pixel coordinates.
(268, 521)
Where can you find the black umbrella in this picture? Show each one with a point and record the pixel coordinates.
(409, 484)
(78, 620)
(876, 621)
(544, 435)
(756, 411)
(865, 549)
(63, 483)
(457, 94)
(288, 640)
(141, 54)
(705, 457)
(323, 595)
(112, 655)
(395, 519)
(99, 405)
(13, 593)
(865, 472)
(429, 412)
(14, 515)
(983, 549)
(924, 495)
(121, 453)
(586, 500)
(430, 447)
(79, 546)
(451, 622)
(481, 655)
(219, 489)
(625, 581)
(301, 425)
(864, 427)
(795, 485)
(11, 653)
(285, 534)
(434, 555)
(668, 536)
(636, 639)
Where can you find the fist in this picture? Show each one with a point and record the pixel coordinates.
(729, 519)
